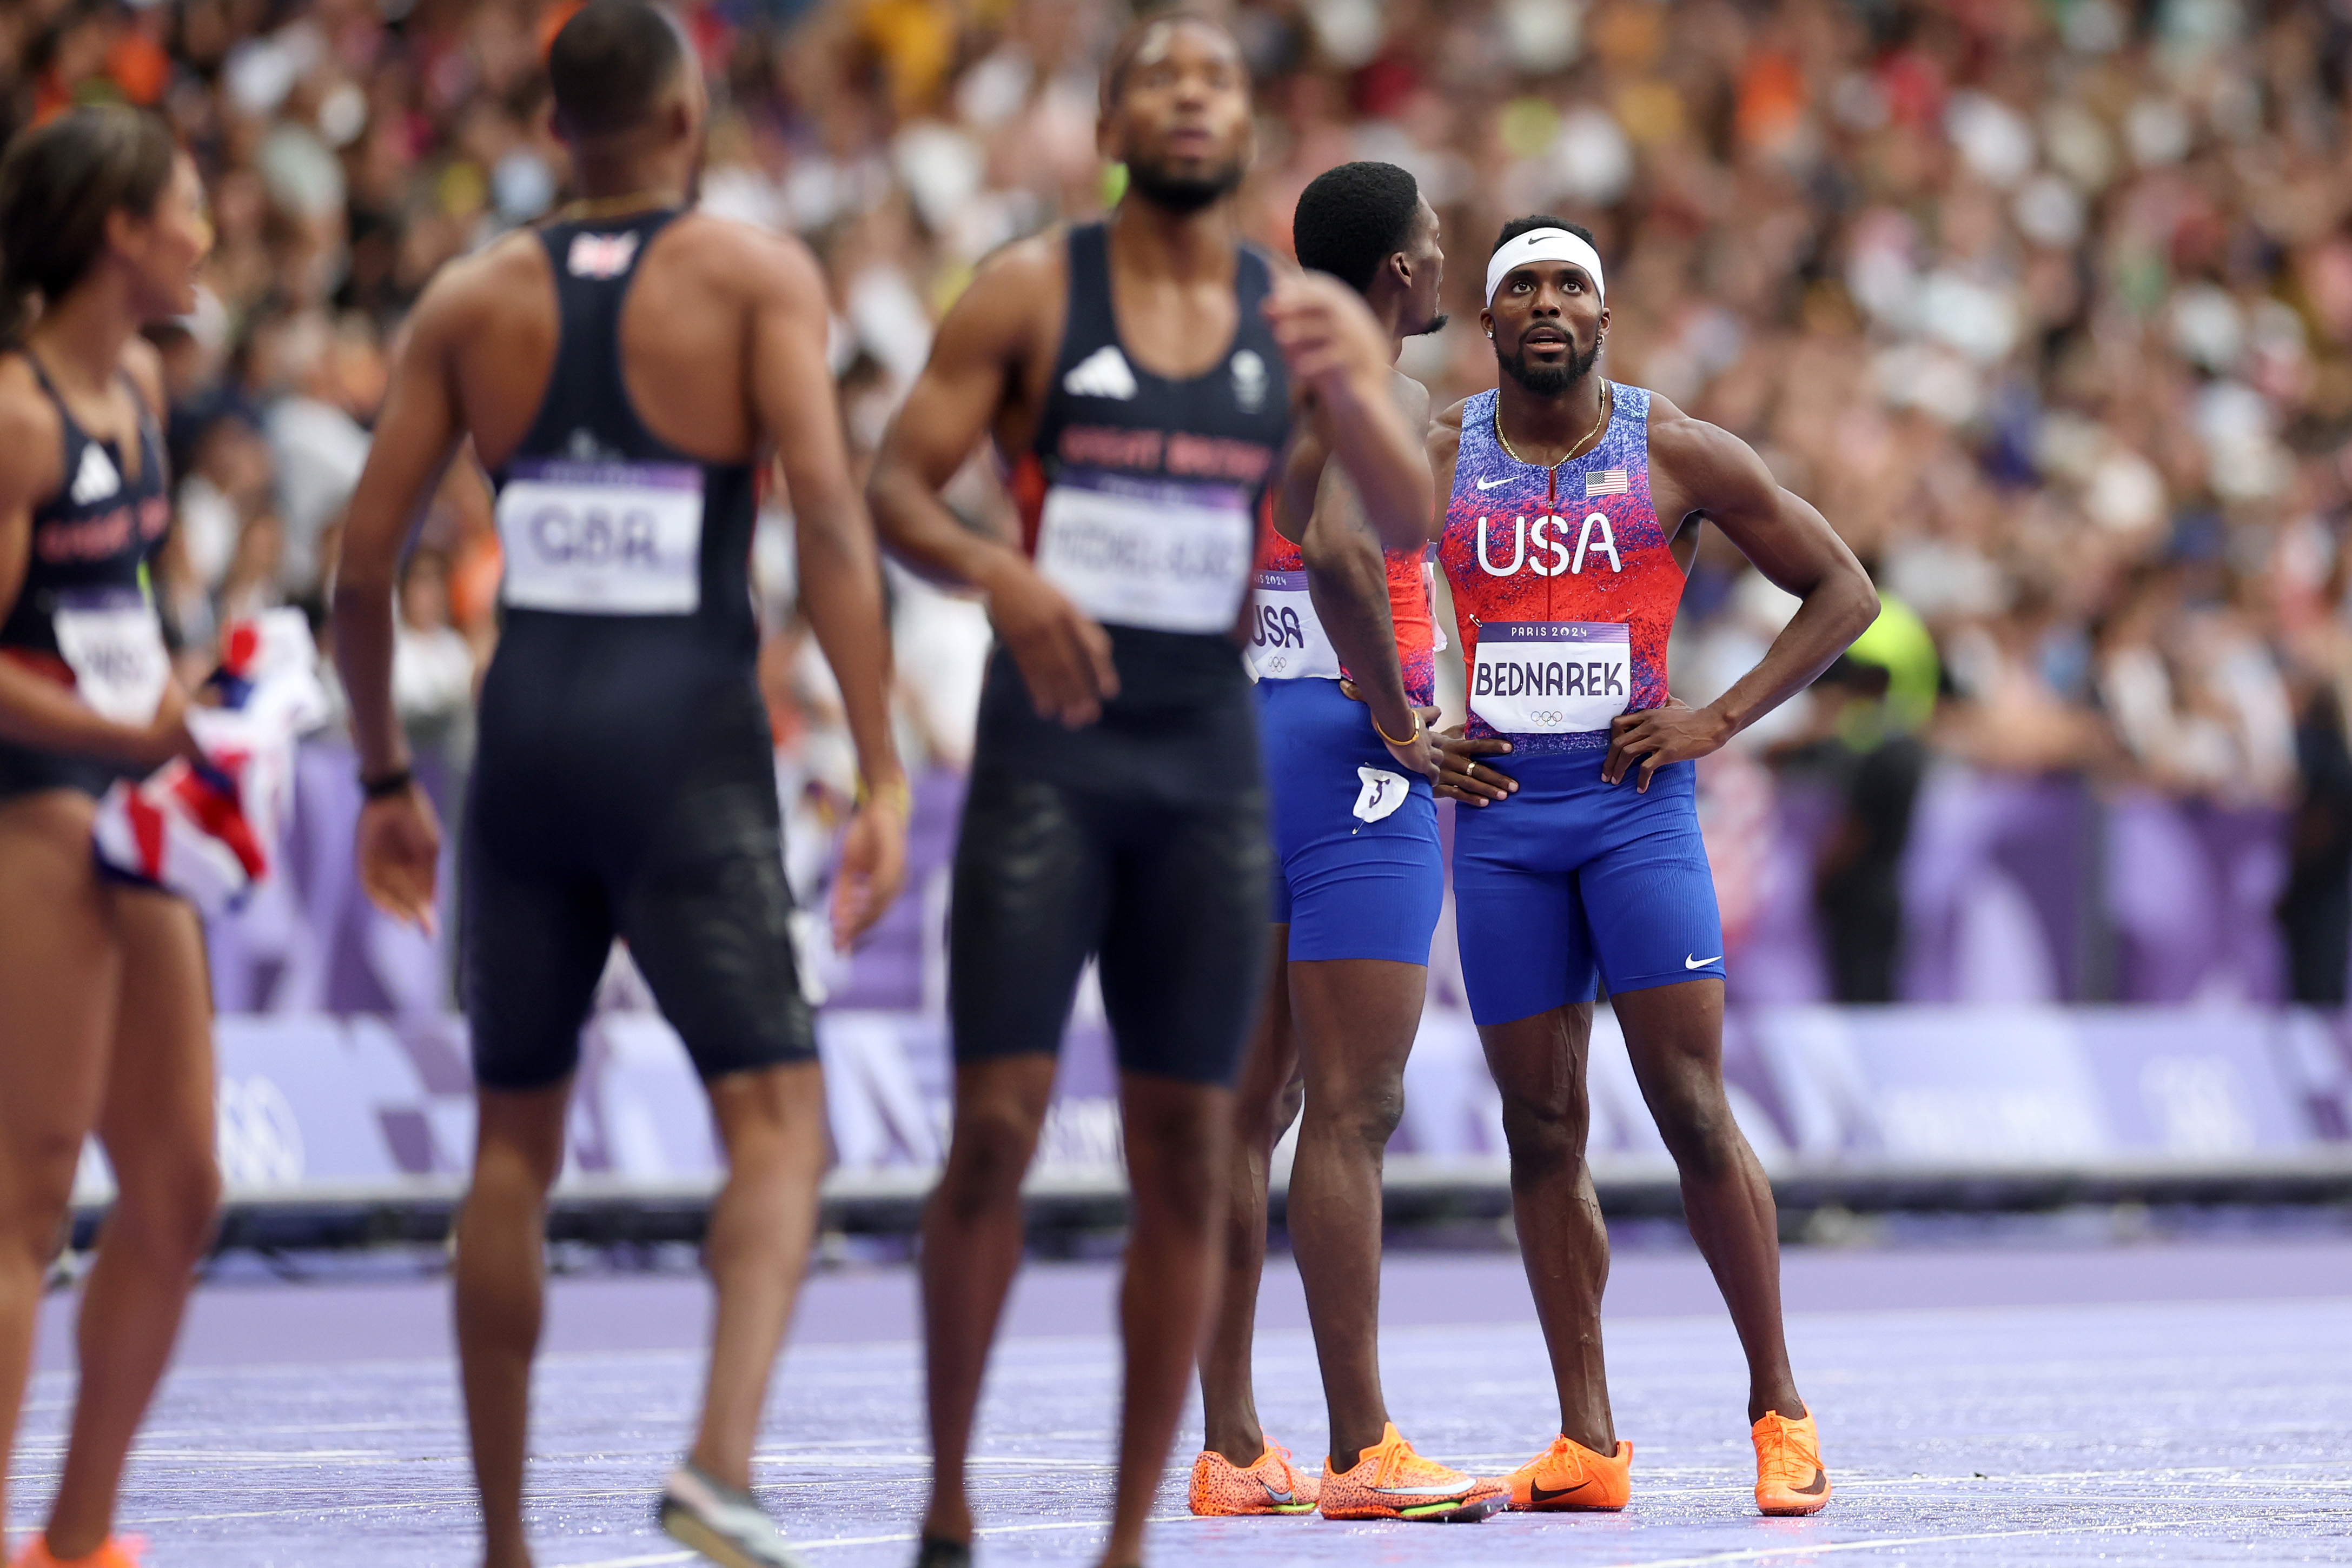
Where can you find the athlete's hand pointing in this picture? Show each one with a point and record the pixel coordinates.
(1064, 656)
(873, 864)
(400, 856)
(1464, 778)
(1674, 733)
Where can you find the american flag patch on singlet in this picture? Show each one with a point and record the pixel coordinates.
(1612, 482)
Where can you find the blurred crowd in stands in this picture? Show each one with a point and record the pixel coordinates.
(2047, 304)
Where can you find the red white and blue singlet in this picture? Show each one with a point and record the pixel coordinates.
(1565, 592)
(1287, 642)
(1564, 587)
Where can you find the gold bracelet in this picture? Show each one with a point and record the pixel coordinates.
(894, 793)
(1392, 740)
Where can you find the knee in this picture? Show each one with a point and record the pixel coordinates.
(1259, 1121)
(175, 1208)
(39, 1190)
(1545, 1133)
(1696, 1122)
(987, 1157)
(1360, 1115)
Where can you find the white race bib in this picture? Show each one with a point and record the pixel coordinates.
(1552, 677)
(1286, 641)
(1165, 558)
(603, 539)
(114, 645)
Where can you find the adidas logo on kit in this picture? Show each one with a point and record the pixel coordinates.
(1103, 373)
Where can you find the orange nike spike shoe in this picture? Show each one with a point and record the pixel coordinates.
(1569, 1478)
(1273, 1485)
(115, 1552)
(1391, 1481)
(1789, 1474)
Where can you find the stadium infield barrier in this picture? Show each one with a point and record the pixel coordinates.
(353, 1130)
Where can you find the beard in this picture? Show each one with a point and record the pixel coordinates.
(1183, 193)
(1430, 328)
(1550, 380)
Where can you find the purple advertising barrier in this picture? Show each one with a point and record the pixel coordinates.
(2191, 888)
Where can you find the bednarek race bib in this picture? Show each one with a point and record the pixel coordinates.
(1162, 556)
(114, 645)
(603, 539)
(1287, 642)
(1552, 677)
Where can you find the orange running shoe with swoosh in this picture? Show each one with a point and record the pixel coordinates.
(115, 1552)
(1789, 1474)
(1569, 1478)
(1272, 1485)
(1391, 1481)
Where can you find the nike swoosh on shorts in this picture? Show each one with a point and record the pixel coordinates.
(1691, 963)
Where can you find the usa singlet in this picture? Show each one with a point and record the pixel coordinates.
(1359, 871)
(1140, 838)
(626, 779)
(85, 614)
(1565, 592)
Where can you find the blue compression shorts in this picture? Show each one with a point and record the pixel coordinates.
(1347, 887)
(1571, 882)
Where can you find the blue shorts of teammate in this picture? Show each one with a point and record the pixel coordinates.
(1346, 886)
(1572, 882)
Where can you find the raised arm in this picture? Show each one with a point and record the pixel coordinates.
(840, 570)
(416, 436)
(1347, 577)
(1339, 358)
(1698, 468)
(984, 345)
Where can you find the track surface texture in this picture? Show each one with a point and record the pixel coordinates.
(2177, 1402)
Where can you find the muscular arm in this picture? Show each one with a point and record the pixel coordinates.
(1339, 358)
(840, 571)
(984, 344)
(1347, 577)
(414, 438)
(1697, 467)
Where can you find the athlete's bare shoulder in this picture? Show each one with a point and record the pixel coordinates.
(1411, 398)
(472, 288)
(1012, 290)
(1704, 467)
(31, 435)
(729, 256)
(143, 363)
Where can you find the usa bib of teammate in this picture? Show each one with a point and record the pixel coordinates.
(114, 645)
(1552, 677)
(1287, 640)
(1162, 557)
(603, 539)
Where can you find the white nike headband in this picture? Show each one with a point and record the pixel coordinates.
(1545, 244)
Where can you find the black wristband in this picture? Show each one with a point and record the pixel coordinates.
(388, 784)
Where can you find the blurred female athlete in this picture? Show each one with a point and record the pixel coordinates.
(105, 1005)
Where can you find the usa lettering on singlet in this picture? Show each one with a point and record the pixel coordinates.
(1287, 639)
(1563, 584)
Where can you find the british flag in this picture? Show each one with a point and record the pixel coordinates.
(601, 256)
(1611, 482)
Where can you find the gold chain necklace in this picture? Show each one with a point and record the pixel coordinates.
(1608, 402)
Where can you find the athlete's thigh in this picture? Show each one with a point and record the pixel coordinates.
(1649, 900)
(1357, 1019)
(1525, 946)
(532, 946)
(1032, 882)
(157, 1122)
(707, 916)
(60, 969)
(1184, 950)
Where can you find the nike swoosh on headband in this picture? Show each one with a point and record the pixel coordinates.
(1545, 244)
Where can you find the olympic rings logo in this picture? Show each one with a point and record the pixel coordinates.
(1547, 716)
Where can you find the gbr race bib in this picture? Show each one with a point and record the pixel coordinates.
(1286, 641)
(1552, 677)
(114, 645)
(1158, 556)
(603, 539)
